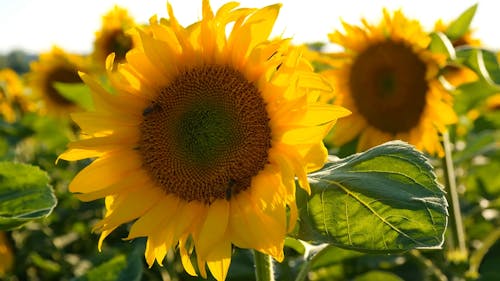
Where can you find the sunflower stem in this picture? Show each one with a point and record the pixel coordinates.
(429, 265)
(264, 270)
(313, 254)
(457, 243)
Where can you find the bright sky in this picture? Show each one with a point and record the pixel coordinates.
(36, 25)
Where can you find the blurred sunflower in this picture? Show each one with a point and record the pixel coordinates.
(12, 96)
(466, 39)
(391, 85)
(203, 139)
(113, 36)
(458, 74)
(493, 102)
(55, 66)
(6, 256)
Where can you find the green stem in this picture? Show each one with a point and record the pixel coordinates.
(456, 223)
(304, 270)
(311, 257)
(429, 265)
(477, 257)
(264, 270)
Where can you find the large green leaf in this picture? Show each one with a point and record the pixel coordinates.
(25, 194)
(384, 200)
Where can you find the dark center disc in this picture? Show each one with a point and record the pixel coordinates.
(206, 135)
(389, 87)
(118, 42)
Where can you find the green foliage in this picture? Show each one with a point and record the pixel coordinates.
(18, 60)
(485, 65)
(383, 200)
(122, 267)
(25, 194)
(78, 93)
(441, 44)
(460, 26)
(377, 215)
(377, 275)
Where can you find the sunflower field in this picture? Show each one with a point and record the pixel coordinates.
(215, 151)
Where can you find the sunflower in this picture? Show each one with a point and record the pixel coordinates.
(203, 138)
(113, 36)
(9, 85)
(53, 67)
(493, 102)
(390, 83)
(13, 97)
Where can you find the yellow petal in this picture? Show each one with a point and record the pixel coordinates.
(106, 171)
(219, 259)
(91, 122)
(214, 227)
(347, 129)
(74, 154)
(128, 206)
(251, 228)
(248, 33)
(164, 210)
(160, 55)
(106, 102)
(188, 215)
(106, 143)
(314, 155)
(186, 257)
(103, 236)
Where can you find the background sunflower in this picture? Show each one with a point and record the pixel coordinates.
(55, 66)
(390, 83)
(113, 36)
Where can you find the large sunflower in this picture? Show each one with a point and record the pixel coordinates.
(55, 66)
(390, 83)
(203, 139)
(113, 36)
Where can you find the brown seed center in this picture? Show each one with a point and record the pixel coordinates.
(206, 134)
(118, 42)
(389, 86)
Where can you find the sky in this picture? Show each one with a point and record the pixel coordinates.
(36, 25)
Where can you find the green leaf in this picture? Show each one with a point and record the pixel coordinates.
(78, 93)
(472, 95)
(459, 26)
(384, 200)
(483, 62)
(25, 194)
(333, 255)
(295, 244)
(441, 44)
(477, 144)
(123, 267)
